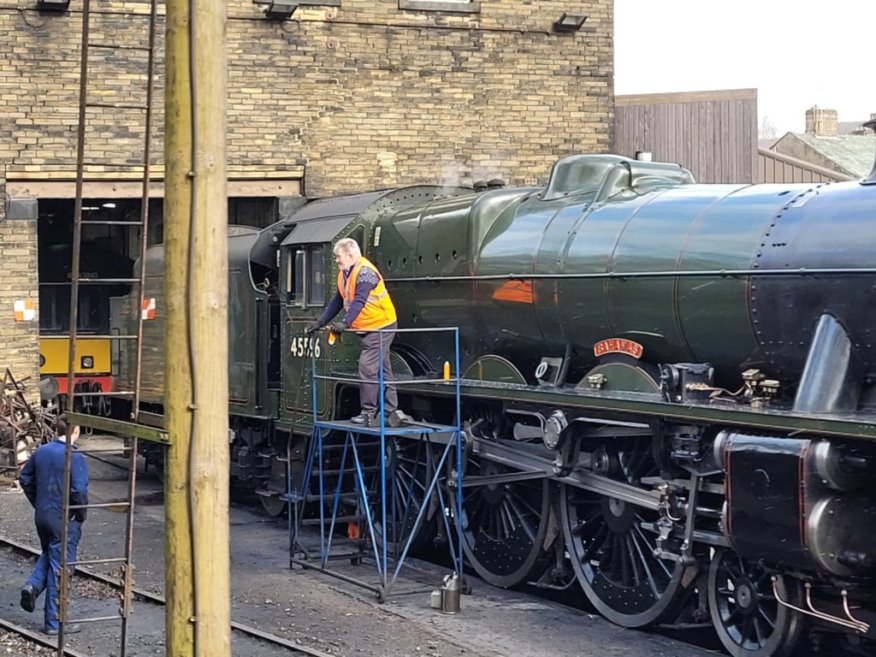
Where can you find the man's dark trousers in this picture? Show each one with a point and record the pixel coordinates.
(373, 343)
(46, 573)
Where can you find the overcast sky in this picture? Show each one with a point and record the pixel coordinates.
(796, 53)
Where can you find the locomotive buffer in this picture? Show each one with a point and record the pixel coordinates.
(376, 485)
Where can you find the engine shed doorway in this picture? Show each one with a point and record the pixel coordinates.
(109, 249)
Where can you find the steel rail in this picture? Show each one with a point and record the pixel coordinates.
(39, 639)
(114, 582)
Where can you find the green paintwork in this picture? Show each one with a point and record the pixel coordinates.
(495, 369)
(249, 328)
(366, 212)
(298, 365)
(542, 268)
(622, 377)
(612, 248)
(400, 367)
(242, 345)
(129, 429)
(431, 241)
(624, 405)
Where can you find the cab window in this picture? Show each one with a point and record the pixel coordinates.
(316, 287)
(305, 280)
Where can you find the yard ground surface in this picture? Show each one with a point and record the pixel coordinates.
(302, 606)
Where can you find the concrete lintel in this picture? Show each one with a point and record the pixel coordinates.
(439, 5)
(37, 189)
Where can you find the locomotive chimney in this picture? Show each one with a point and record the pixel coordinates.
(871, 179)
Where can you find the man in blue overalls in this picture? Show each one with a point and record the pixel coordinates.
(42, 480)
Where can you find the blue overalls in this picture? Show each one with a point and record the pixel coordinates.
(42, 480)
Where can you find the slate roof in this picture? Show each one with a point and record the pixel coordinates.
(852, 153)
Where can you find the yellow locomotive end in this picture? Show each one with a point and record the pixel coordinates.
(93, 360)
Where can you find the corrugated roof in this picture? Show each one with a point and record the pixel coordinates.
(854, 153)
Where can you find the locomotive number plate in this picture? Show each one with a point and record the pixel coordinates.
(618, 346)
(305, 347)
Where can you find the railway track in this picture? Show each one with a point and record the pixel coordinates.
(141, 595)
(37, 639)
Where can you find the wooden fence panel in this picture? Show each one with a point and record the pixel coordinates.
(714, 133)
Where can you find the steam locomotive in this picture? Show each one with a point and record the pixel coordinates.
(667, 388)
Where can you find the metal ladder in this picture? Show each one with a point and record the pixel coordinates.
(130, 449)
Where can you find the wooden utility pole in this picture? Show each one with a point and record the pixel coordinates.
(196, 332)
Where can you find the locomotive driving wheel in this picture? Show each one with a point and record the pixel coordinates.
(411, 466)
(504, 524)
(611, 543)
(750, 622)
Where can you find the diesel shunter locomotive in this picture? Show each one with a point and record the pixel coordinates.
(668, 388)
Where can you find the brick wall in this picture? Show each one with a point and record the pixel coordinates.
(362, 95)
(370, 95)
(19, 349)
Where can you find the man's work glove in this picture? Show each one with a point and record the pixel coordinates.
(312, 327)
(338, 327)
(78, 515)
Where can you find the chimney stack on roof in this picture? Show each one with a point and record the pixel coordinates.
(821, 122)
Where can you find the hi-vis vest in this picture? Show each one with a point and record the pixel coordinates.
(378, 311)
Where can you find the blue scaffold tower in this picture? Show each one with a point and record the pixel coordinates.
(371, 491)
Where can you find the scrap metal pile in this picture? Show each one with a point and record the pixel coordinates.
(23, 428)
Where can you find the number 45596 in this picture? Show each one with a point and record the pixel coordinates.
(305, 346)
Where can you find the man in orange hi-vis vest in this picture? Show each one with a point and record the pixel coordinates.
(367, 308)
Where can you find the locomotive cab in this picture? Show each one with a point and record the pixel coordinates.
(308, 275)
(305, 266)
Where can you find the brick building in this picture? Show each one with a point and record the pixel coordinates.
(347, 95)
